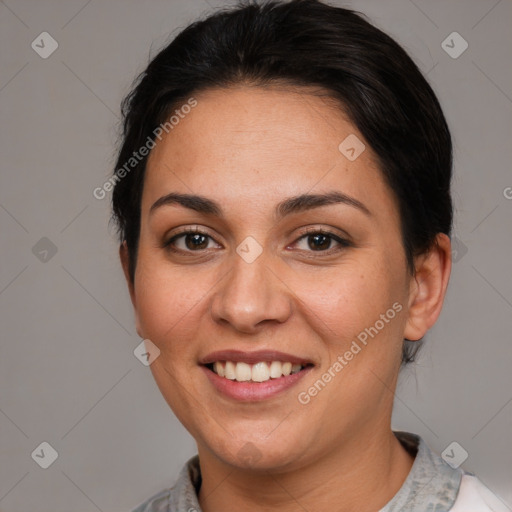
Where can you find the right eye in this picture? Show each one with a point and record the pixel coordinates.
(190, 241)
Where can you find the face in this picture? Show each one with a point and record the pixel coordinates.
(250, 277)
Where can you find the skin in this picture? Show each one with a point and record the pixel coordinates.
(248, 148)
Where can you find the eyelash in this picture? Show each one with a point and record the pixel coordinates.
(343, 243)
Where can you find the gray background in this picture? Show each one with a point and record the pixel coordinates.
(68, 375)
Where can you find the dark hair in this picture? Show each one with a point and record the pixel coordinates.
(302, 43)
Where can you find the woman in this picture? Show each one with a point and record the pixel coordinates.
(283, 202)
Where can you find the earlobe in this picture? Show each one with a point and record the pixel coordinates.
(428, 288)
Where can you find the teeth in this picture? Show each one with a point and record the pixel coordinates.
(242, 372)
(296, 368)
(219, 369)
(259, 372)
(275, 369)
(229, 370)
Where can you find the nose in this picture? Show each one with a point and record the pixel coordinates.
(250, 296)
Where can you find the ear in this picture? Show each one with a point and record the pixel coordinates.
(428, 288)
(125, 263)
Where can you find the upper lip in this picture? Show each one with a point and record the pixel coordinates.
(253, 357)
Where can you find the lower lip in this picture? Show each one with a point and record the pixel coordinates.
(254, 391)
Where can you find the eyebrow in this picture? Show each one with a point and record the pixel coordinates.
(289, 206)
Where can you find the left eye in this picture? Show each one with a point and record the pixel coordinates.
(320, 241)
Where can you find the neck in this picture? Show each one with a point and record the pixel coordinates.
(362, 475)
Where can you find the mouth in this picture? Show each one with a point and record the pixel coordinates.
(261, 371)
(251, 376)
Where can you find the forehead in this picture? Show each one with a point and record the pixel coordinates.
(251, 144)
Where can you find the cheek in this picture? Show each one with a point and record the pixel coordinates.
(169, 300)
(354, 315)
(347, 299)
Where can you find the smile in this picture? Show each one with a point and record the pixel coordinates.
(258, 372)
(254, 376)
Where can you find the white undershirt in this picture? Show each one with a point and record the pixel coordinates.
(473, 496)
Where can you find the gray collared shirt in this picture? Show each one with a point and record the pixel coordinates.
(431, 486)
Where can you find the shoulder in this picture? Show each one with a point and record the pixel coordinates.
(474, 496)
(157, 503)
(182, 496)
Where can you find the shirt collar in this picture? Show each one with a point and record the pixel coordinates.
(431, 486)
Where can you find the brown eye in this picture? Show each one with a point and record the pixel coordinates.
(321, 241)
(190, 241)
(196, 241)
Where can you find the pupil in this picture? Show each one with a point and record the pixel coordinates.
(195, 241)
(319, 242)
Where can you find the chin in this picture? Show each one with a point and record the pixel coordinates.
(260, 454)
